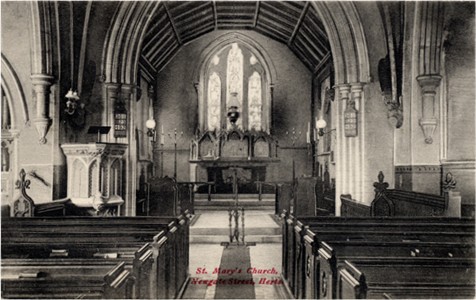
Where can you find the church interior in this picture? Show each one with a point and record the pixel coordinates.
(238, 149)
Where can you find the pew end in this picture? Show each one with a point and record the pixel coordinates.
(350, 282)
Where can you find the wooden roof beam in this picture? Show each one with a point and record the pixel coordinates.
(322, 63)
(299, 23)
(215, 15)
(255, 20)
(172, 23)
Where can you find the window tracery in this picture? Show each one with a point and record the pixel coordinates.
(235, 77)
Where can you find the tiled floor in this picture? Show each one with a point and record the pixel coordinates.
(219, 219)
(263, 257)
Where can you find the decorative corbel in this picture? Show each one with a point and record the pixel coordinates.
(41, 86)
(428, 122)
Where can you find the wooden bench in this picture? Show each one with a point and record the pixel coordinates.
(89, 247)
(66, 280)
(394, 202)
(295, 230)
(430, 277)
(321, 282)
(139, 263)
(36, 237)
(307, 240)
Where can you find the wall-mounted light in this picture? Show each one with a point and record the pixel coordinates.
(72, 102)
(320, 125)
(150, 124)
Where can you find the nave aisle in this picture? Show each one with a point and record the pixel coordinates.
(208, 255)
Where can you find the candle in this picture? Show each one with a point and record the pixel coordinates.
(162, 137)
(308, 135)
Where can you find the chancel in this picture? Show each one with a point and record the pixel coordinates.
(304, 149)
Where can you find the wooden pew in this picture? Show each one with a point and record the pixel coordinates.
(405, 277)
(139, 264)
(306, 255)
(87, 236)
(368, 230)
(155, 253)
(321, 282)
(66, 280)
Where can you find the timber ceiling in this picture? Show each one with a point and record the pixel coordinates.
(293, 23)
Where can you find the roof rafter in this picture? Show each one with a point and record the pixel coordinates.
(299, 23)
(255, 20)
(172, 23)
(215, 15)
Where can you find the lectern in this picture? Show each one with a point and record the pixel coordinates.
(99, 130)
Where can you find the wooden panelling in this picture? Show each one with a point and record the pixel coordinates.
(294, 23)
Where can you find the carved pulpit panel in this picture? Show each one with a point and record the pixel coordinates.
(95, 174)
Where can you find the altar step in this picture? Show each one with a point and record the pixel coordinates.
(212, 227)
(225, 201)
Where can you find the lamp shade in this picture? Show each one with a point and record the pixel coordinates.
(70, 94)
(150, 124)
(321, 123)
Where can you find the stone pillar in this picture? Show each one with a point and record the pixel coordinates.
(357, 144)
(111, 94)
(341, 151)
(428, 121)
(128, 97)
(41, 85)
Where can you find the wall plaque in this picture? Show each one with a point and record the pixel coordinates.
(120, 122)
(350, 121)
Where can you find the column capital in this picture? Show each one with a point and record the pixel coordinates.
(429, 83)
(344, 90)
(41, 79)
(357, 87)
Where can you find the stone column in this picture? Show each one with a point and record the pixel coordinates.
(357, 144)
(428, 122)
(341, 150)
(111, 94)
(128, 97)
(41, 85)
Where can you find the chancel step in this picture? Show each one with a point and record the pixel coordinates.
(212, 227)
(224, 201)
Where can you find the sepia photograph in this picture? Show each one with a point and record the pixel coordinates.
(238, 149)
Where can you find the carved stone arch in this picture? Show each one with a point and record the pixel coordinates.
(347, 40)
(123, 43)
(14, 94)
(207, 54)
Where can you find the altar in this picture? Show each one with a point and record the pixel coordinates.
(218, 156)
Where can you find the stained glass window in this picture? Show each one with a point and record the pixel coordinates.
(254, 101)
(235, 77)
(234, 72)
(214, 101)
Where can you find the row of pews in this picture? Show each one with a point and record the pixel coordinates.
(378, 257)
(95, 257)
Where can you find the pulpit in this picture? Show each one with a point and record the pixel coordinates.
(95, 176)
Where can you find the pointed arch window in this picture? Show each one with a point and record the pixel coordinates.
(214, 101)
(235, 77)
(255, 104)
